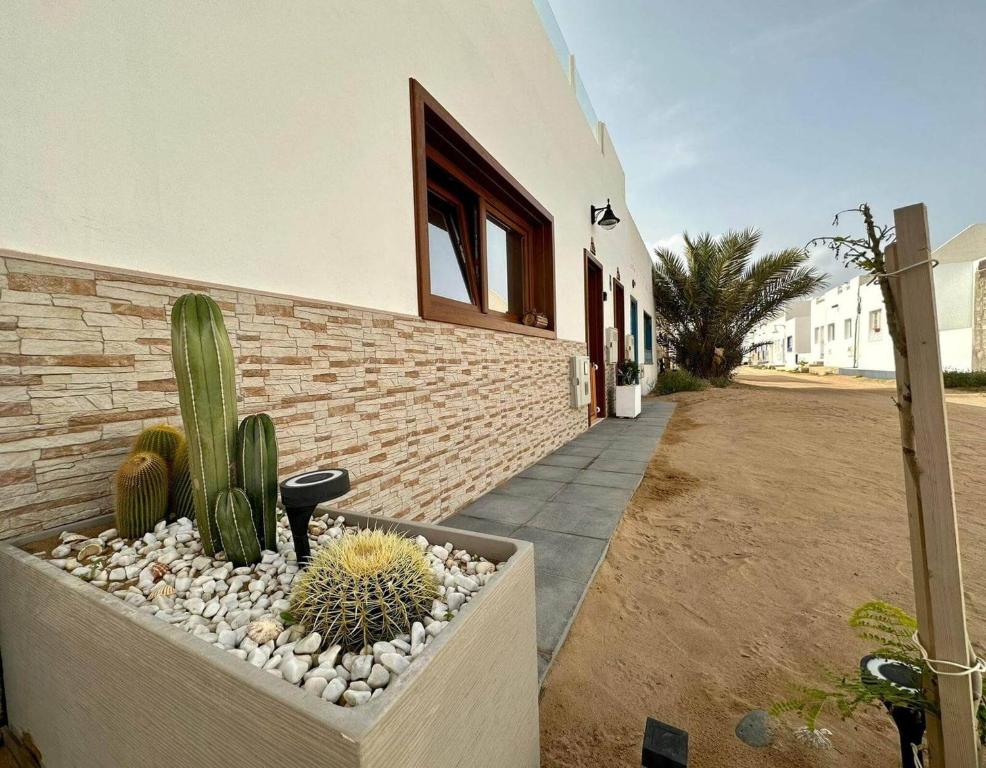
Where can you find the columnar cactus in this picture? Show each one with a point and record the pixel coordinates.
(256, 467)
(364, 587)
(203, 361)
(181, 502)
(237, 532)
(141, 494)
(162, 439)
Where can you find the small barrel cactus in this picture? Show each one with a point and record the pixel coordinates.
(256, 466)
(237, 532)
(363, 588)
(181, 502)
(162, 439)
(141, 494)
(204, 370)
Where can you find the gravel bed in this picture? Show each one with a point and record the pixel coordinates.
(165, 574)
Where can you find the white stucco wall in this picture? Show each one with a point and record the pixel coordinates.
(954, 279)
(268, 146)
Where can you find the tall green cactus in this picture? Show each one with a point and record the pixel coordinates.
(204, 369)
(256, 466)
(141, 494)
(182, 501)
(162, 439)
(237, 532)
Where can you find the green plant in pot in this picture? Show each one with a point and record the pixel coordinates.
(223, 457)
(627, 399)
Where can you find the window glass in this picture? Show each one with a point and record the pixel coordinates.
(648, 340)
(447, 262)
(504, 269)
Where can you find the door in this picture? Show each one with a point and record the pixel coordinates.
(633, 328)
(619, 321)
(594, 336)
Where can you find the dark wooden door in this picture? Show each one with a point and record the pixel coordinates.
(594, 336)
(619, 321)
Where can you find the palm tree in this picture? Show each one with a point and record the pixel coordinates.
(712, 298)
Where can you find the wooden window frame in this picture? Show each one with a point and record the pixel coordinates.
(438, 139)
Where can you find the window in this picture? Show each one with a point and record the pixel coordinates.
(831, 332)
(648, 340)
(818, 334)
(485, 246)
(790, 343)
(876, 322)
(848, 328)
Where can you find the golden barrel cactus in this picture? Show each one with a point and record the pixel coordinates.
(162, 439)
(141, 494)
(363, 588)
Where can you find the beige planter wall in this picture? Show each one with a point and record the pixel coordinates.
(93, 682)
(270, 147)
(426, 416)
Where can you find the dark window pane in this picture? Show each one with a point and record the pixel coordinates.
(446, 260)
(504, 269)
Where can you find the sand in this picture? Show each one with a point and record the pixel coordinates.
(770, 511)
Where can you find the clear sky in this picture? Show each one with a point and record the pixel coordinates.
(776, 114)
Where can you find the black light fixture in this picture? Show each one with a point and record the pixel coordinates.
(300, 494)
(608, 220)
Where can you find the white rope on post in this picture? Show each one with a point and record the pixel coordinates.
(933, 262)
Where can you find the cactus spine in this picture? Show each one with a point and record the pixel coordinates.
(364, 587)
(256, 466)
(203, 361)
(162, 439)
(237, 532)
(181, 502)
(141, 494)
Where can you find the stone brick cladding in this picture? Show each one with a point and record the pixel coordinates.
(426, 416)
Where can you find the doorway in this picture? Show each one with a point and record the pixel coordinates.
(619, 321)
(594, 336)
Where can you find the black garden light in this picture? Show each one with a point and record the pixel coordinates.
(664, 746)
(608, 220)
(909, 721)
(302, 493)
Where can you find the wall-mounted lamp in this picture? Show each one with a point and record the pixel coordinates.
(608, 220)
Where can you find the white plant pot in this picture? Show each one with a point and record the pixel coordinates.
(627, 401)
(92, 681)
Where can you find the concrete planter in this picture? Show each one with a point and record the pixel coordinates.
(627, 401)
(90, 681)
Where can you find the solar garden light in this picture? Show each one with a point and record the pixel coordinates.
(302, 493)
(664, 746)
(909, 721)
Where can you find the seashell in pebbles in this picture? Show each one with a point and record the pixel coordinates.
(161, 589)
(88, 551)
(264, 630)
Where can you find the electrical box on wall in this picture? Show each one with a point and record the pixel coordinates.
(612, 350)
(580, 382)
(628, 347)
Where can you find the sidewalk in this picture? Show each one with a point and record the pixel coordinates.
(568, 505)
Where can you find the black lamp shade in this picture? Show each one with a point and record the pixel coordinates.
(609, 219)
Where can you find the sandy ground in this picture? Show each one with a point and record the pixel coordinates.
(770, 511)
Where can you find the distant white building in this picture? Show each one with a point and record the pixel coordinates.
(848, 322)
(785, 339)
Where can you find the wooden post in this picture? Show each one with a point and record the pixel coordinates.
(919, 556)
(931, 499)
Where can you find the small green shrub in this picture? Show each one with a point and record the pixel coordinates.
(720, 382)
(970, 379)
(627, 373)
(679, 380)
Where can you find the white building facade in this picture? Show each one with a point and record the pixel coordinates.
(783, 341)
(848, 322)
(390, 202)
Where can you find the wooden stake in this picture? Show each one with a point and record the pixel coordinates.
(945, 635)
(919, 557)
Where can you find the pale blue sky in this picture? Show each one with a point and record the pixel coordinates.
(777, 114)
